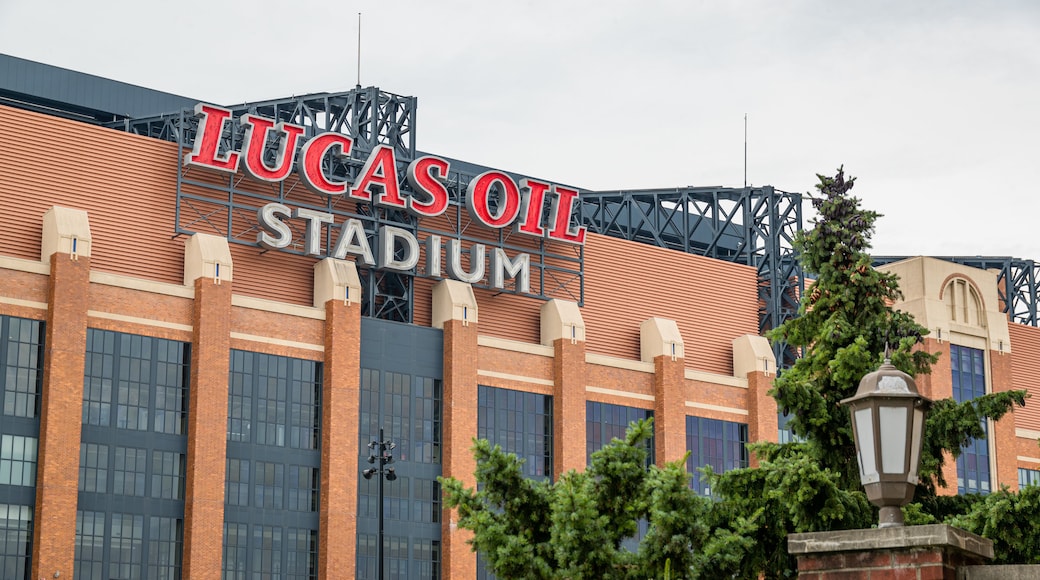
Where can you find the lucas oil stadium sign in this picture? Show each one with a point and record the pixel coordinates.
(274, 153)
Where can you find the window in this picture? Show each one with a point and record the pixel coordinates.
(605, 422)
(21, 376)
(969, 382)
(132, 457)
(401, 370)
(521, 423)
(720, 444)
(15, 541)
(1027, 477)
(272, 466)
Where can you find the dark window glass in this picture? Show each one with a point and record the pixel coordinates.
(21, 361)
(1027, 477)
(720, 444)
(969, 382)
(18, 460)
(135, 392)
(21, 377)
(272, 467)
(15, 541)
(521, 423)
(605, 422)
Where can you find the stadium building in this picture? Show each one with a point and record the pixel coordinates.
(207, 313)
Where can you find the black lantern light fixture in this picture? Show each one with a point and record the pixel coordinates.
(888, 425)
(380, 452)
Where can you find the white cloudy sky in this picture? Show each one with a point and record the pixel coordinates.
(933, 105)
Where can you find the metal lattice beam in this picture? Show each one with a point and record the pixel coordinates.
(1016, 282)
(368, 116)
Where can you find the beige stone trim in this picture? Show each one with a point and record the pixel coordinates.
(25, 303)
(278, 341)
(277, 307)
(706, 377)
(138, 320)
(511, 377)
(561, 319)
(65, 230)
(619, 363)
(660, 336)
(617, 393)
(207, 256)
(1025, 459)
(131, 283)
(21, 265)
(718, 408)
(1027, 433)
(514, 345)
(453, 300)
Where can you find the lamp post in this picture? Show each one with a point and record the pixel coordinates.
(888, 425)
(380, 451)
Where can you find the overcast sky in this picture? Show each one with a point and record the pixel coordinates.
(933, 105)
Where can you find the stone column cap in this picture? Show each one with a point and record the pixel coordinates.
(207, 256)
(660, 336)
(453, 300)
(934, 535)
(561, 319)
(751, 353)
(336, 279)
(65, 230)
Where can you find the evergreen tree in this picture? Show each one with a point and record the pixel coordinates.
(574, 528)
(844, 329)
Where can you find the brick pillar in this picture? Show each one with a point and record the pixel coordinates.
(934, 552)
(669, 409)
(207, 429)
(762, 414)
(1005, 442)
(939, 385)
(339, 440)
(459, 429)
(568, 406)
(61, 416)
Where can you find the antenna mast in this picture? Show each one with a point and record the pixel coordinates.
(359, 50)
(745, 149)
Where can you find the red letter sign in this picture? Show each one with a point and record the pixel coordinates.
(532, 199)
(477, 199)
(255, 140)
(381, 171)
(561, 217)
(425, 175)
(309, 165)
(207, 140)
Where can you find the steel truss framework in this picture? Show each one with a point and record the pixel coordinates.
(754, 226)
(1016, 282)
(227, 205)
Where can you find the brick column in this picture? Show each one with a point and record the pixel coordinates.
(568, 406)
(459, 429)
(1005, 442)
(61, 416)
(207, 430)
(669, 409)
(339, 440)
(763, 423)
(934, 552)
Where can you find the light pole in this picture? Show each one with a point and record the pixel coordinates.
(380, 451)
(888, 424)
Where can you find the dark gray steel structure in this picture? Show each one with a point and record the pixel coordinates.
(752, 225)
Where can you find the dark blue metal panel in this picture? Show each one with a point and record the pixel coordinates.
(67, 93)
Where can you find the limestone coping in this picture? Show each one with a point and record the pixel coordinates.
(930, 536)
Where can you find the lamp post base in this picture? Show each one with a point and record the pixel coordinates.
(890, 517)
